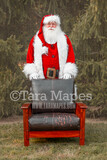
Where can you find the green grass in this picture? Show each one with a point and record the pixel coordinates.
(12, 148)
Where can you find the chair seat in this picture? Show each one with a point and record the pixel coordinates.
(54, 121)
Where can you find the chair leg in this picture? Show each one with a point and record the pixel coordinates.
(82, 137)
(82, 141)
(26, 140)
(26, 127)
(82, 127)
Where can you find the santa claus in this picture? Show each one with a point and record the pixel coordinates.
(50, 53)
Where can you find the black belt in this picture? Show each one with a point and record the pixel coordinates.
(52, 73)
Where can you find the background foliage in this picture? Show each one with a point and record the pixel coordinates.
(85, 22)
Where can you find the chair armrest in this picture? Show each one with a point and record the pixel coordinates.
(26, 106)
(27, 109)
(80, 108)
(81, 105)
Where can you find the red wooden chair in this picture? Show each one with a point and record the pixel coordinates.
(40, 122)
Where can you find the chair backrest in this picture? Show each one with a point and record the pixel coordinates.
(53, 95)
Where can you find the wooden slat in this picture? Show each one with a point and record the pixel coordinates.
(53, 134)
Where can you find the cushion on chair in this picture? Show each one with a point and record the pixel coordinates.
(54, 121)
(53, 96)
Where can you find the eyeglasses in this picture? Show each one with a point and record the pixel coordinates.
(53, 24)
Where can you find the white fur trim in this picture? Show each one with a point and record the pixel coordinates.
(51, 18)
(38, 55)
(29, 68)
(71, 68)
(63, 52)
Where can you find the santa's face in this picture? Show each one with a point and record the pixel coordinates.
(51, 25)
(51, 30)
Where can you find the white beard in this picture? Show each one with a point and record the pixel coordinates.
(51, 36)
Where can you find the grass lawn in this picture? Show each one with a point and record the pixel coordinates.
(12, 148)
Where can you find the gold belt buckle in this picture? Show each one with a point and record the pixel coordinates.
(51, 73)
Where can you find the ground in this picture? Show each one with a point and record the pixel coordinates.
(12, 148)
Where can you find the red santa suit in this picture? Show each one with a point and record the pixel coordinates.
(60, 54)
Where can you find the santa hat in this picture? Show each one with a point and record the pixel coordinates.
(45, 20)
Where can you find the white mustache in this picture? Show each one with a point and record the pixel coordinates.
(50, 28)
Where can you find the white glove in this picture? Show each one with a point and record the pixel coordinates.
(34, 76)
(45, 50)
(67, 76)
